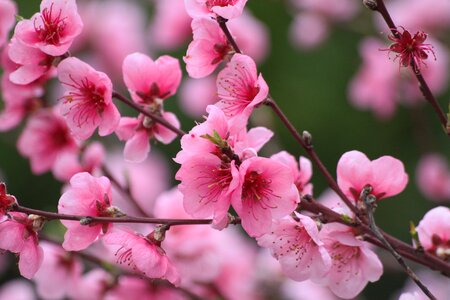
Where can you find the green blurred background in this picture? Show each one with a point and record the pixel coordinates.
(311, 87)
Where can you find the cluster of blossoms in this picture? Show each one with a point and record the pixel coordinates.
(223, 178)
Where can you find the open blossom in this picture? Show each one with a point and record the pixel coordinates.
(433, 177)
(44, 139)
(148, 81)
(138, 131)
(63, 269)
(301, 170)
(88, 160)
(353, 263)
(19, 235)
(6, 200)
(88, 99)
(86, 196)
(143, 254)
(228, 9)
(53, 29)
(386, 175)
(207, 185)
(410, 49)
(266, 191)
(240, 89)
(297, 247)
(208, 48)
(434, 231)
(8, 10)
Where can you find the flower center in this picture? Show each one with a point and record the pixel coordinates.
(256, 189)
(52, 26)
(216, 180)
(221, 51)
(211, 3)
(88, 99)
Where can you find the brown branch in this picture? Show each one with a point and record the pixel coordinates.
(146, 113)
(423, 85)
(223, 25)
(126, 219)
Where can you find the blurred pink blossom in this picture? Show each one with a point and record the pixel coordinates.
(58, 274)
(17, 289)
(433, 177)
(196, 94)
(44, 138)
(8, 12)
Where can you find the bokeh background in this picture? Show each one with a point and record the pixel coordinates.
(311, 86)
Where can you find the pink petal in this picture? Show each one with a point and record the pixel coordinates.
(137, 148)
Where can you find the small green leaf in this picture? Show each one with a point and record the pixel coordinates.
(19, 18)
(346, 218)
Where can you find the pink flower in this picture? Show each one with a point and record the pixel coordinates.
(138, 131)
(6, 200)
(69, 163)
(59, 273)
(240, 89)
(207, 185)
(148, 81)
(197, 94)
(410, 49)
(93, 285)
(386, 175)
(353, 263)
(143, 254)
(132, 287)
(32, 62)
(434, 232)
(266, 191)
(208, 48)
(433, 177)
(86, 196)
(8, 11)
(309, 30)
(128, 30)
(17, 289)
(53, 29)
(19, 235)
(44, 139)
(297, 246)
(88, 99)
(301, 170)
(170, 27)
(228, 9)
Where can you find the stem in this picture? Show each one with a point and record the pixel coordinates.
(423, 86)
(223, 25)
(370, 201)
(154, 117)
(125, 219)
(312, 154)
(123, 190)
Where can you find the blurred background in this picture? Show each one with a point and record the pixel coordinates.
(313, 55)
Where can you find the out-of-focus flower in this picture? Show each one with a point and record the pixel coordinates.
(8, 11)
(228, 9)
(45, 137)
(433, 177)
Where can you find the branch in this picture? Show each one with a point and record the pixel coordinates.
(223, 25)
(86, 220)
(370, 203)
(423, 85)
(154, 117)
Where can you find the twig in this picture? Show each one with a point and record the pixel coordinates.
(223, 25)
(86, 220)
(123, 190)
(423, 86)
(370, 203)
(154, 117)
